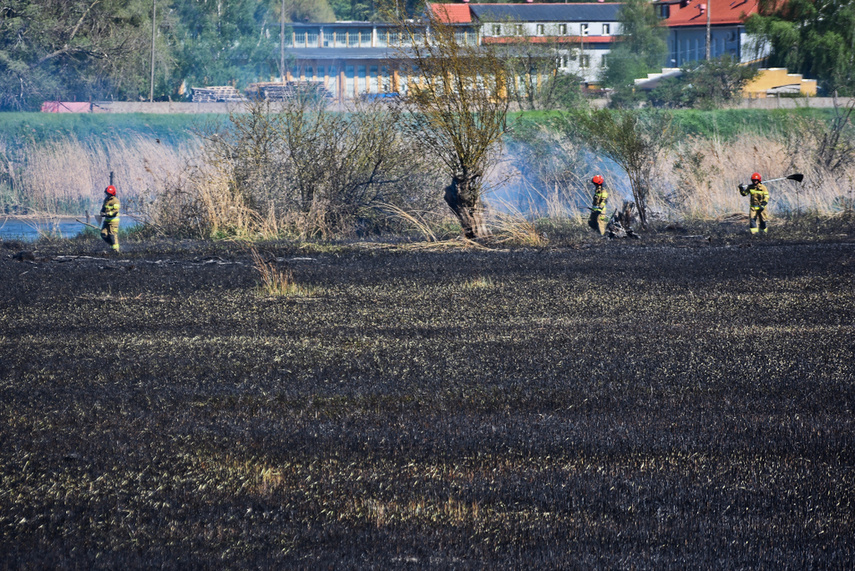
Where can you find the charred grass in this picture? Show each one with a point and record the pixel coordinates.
(612, 405)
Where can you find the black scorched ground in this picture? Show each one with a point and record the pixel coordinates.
(623, 406)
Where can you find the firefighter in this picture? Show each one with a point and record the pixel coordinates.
(757, 204)
(597, 221)
(110, 218)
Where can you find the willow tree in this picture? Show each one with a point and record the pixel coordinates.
(456, 105)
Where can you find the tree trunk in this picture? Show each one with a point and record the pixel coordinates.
(464, 199)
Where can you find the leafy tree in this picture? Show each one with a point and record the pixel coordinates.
(74, 49)
(378, 10)
(221, 43)
(458, 110)
(709, 85)
(642, 49)
(812, 37)
(302, 10)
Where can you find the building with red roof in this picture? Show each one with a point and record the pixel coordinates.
(687, 22)
(582, 33)
(351, 59)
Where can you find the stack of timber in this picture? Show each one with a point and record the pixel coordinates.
(224, 93)
(285, 91)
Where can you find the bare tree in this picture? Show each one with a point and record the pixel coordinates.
(296, 167)
(457, 108)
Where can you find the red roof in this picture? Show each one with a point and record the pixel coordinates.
(452, 13)
(721, 12)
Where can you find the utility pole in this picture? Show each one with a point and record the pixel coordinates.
(153, 28)
(709, 35)
(282, 42)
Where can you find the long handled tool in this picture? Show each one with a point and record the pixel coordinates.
(798, 177)
(87, 224)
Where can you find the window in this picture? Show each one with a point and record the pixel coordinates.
(540, 29)
(340, 38)
(606, 29)
(352, 39)
(329, 38)
(365, 38)
(300, 39)
(518, 29)
(393, 37)
(312, 38)
(310, 73)
(459, 37)
(348, 80)
(562, 29)
(585, 61)
(381, 38)
(385, 79)
(332, 81)
(583, 29)
(373, 79)
(361, 78)
(497, 30)
(604, 60)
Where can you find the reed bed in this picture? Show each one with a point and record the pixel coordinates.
(68, 175)
(180, 191)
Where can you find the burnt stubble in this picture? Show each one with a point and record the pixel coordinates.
(628, 405)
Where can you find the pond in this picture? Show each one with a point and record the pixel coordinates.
(29, 228)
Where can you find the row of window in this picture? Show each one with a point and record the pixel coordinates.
(392, 37)
(695, 49)
(584, 29)
(366, 38)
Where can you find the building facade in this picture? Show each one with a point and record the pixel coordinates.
(688, 21)
(355, 59)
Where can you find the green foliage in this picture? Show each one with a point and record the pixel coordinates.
(565, 91)
(73, 50)
(813, 37)
(226, 43)
(642, 50)
(77, 50)
(380, 10)
(19, 128)
(709, 85)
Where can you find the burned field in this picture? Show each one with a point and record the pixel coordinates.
(627, 405)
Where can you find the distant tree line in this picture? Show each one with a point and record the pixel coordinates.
(86, 50)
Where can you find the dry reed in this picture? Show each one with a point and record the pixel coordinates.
(65, 176)
(277, 282)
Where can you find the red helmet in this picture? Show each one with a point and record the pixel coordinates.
(756, 177)
(111, 190)
(597, 179)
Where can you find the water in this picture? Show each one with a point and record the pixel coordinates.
(29, 229)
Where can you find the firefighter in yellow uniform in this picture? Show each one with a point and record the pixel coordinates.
(110, 218)
(597, 221)
(757, 203)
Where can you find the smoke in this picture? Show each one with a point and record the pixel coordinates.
(549, 177)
